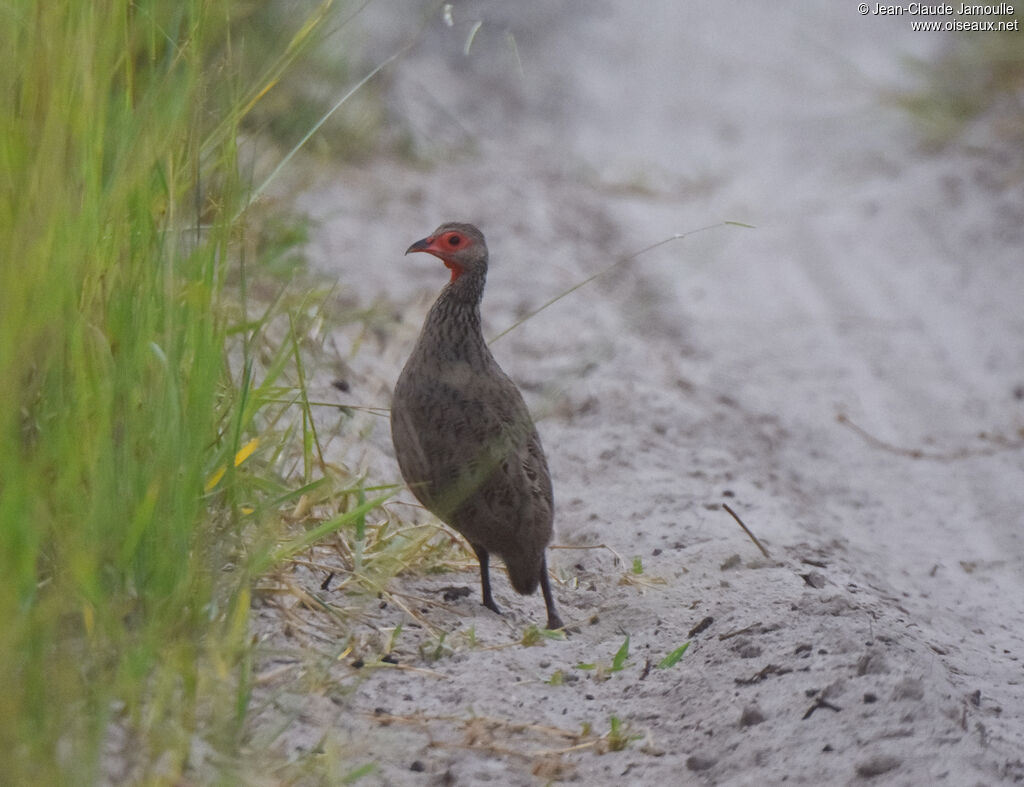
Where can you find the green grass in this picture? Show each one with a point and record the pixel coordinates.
(151, 431)
(977, 75)
(672, 658)
(160, 455)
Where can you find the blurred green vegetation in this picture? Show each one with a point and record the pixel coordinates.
(977, 75)
(141, 446)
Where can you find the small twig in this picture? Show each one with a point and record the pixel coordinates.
(567, 750)
(701, 627)
(746, 530)
(407, 668)
(821, 702)
(618, 557)
(273, 674)
(771, 669)
(363, 408)
(433, 631)
(258, 192)
(511, 726)
(737, 632)
(613, 266)
(997, 443)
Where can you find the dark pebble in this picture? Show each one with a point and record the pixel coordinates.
(876, 766)
(751, 715)
(696, 762)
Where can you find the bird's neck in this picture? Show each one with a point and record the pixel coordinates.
(454, 319)
(463, 294)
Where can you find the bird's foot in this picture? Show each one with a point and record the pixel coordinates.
(555, 622)
(489, 603)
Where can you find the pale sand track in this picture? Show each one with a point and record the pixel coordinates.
(880, 283)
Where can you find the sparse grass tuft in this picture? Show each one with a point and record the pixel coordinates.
(535, 635)
(602, 670)
(618, 736)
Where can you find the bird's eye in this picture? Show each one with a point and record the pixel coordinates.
(454, 239)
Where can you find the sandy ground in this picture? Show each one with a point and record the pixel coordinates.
(880, 291)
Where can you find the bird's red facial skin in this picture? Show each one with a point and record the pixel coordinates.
(442, 246)
(457, 270)
(452, 241)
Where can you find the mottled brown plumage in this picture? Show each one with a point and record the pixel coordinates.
(463, 437)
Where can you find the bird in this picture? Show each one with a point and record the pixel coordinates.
(463, 436)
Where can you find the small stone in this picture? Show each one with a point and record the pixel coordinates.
(730, 562)
(751, 715)
(453, 593)
(908, 689)
(872, 664)
(877, 765)
(700, 627)
(417, 767)
(696, 762)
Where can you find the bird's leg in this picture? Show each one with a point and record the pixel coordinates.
(554, 622)
(485, 578)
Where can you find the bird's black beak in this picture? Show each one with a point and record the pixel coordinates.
(419, 245)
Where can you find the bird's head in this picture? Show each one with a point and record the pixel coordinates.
(461, 247)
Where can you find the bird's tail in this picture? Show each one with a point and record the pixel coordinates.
(524, 571)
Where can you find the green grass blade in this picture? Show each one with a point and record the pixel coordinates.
(672, 658)
(621, 655)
